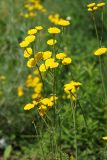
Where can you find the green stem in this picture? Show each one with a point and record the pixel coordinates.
(60, 135)
(96, 31)
(102, 17)
(101, 74)
(41, 145)
(73, 106)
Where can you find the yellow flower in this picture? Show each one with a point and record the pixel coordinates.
(72, 87)
(35, 95)
(30, 38)
(42, 68)
(50, 63)
(90, 9)
(31, 63)
(24, 44)
(53, 98)
(63, 22)
(91, 5)
(39, 28)
(73, 97)
(95, 8)
(29, 106)
(47, 54)
(42, 110)
(32, 31)
(35, 81)
(27, 52)
(100, 51)
(54, 18)
(66, 61)
(104, 138)
(37, 100)
(47, 102)
(60, 55)
(38, 88)
(20, 91)
(54, 30)
(100, 5)
(51, 42)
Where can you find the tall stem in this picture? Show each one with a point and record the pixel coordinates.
(96, 31)
(102, 79)
(41, 144)
(73, 106)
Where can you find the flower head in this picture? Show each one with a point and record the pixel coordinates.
(100, 51)
(24, 44)
(60, 55)
(104, 138)
(47, 102)
(72, 87)
(42, 110)
(66, 61)
(20, 91)
(39, 28)
(51, 42)
(27, 52)
(42, 68)
(31, 63)
(101, 4)
(30, 38)
(29, 106)
(50, 63)
(63, 22)
(91, 5)
(54, 30)
(32, 31)
(47, 54)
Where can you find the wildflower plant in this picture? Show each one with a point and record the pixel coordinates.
(48, 63)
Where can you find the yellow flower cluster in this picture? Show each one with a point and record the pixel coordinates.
(28, 50)
(20, 91)
(43, 61)
(44, 104)
(32, 7)
(55, 19)
(50, 62)
(100, 51)
(95, 6)
(30, 38)
(46, 57)
(71, 89)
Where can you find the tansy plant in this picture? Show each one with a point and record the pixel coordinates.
(45, 65)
